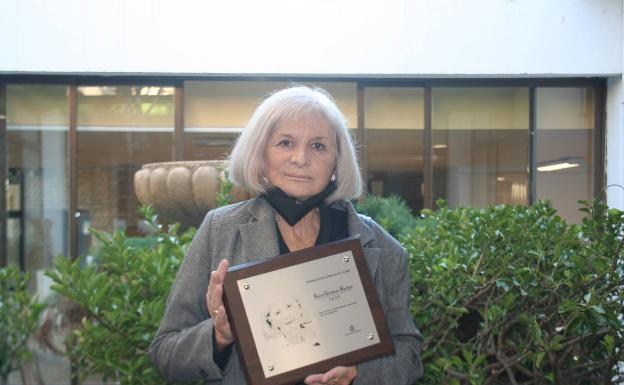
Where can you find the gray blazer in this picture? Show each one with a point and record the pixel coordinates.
(246, 231)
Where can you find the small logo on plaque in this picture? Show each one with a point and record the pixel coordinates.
(352, 330)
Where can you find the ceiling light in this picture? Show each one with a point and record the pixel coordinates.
(156, 91)
(91, 91)
(438, 146)
(97, 90)
(559, 164)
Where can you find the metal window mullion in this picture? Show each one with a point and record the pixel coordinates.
(532, 147)
(72, 156)
(3, 177)
(178, 136)
(428, 151)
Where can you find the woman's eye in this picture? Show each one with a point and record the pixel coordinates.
(285, 143)
(319, 146)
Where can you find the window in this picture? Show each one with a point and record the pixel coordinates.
(565, 148)
(394, 123)
(215, 112)
(120, 128)
(480, 145)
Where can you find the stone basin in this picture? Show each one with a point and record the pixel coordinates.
(183, 191)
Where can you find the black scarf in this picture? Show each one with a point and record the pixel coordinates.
(292, 210)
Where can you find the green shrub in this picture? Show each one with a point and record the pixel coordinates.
(224, 193)
(123, 295)
(502, 295)
(514, 295)
(392, 213)
(19, 314)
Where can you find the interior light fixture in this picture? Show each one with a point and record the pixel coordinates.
(91, 91)
(97, 90)
(559, 164)
(438, 146)
(156, 91)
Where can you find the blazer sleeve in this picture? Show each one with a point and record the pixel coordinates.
(405, 366)
(182, 349)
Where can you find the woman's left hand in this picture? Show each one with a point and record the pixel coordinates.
(340, 375)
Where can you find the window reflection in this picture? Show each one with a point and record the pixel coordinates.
(215, 112)
(480, 145)
(564, 148)
(394, 122)
(120, 128)
(38, 193)
(37, 125)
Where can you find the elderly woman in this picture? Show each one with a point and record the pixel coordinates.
(297, 154)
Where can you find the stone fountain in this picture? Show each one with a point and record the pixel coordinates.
(183, 191)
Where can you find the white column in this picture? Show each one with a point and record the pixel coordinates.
(615, 142)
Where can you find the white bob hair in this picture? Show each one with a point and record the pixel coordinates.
(247, 157)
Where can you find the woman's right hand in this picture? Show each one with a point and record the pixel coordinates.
(214, 302)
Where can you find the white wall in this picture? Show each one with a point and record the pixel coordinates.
(331, 37)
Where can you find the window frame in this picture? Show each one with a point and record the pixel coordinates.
(177, 81)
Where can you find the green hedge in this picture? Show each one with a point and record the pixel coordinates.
(19, 315)
(503, 295)
(123, 295)
(510, 295)
(390, 212)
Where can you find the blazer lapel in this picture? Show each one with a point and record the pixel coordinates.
(259, 236)
(371, 254)
(358, 227)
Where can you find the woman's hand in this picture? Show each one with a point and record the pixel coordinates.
(214, 302)
(340, 375)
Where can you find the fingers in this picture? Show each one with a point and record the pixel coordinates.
(331, 376)
(339, 375)
(314, 379)
(214, 294)
(222, 322)
(222, 269)
(222, 329)
(214, 302)
(216, 299)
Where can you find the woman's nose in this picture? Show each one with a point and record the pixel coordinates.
(299, 157)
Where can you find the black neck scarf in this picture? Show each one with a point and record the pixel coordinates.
(292, 210)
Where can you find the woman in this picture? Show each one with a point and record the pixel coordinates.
(297, 154)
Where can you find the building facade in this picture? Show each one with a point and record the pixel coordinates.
(478, 103)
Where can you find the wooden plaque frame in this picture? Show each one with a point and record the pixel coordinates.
(246, 347)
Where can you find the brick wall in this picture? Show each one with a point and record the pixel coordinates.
(107, 195)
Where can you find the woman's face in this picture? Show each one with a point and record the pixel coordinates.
(300, 156)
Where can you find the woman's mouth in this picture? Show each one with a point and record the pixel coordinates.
(298, 177)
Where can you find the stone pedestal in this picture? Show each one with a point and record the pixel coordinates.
(183, 191)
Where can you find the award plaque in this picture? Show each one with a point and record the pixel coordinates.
(304, 313)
